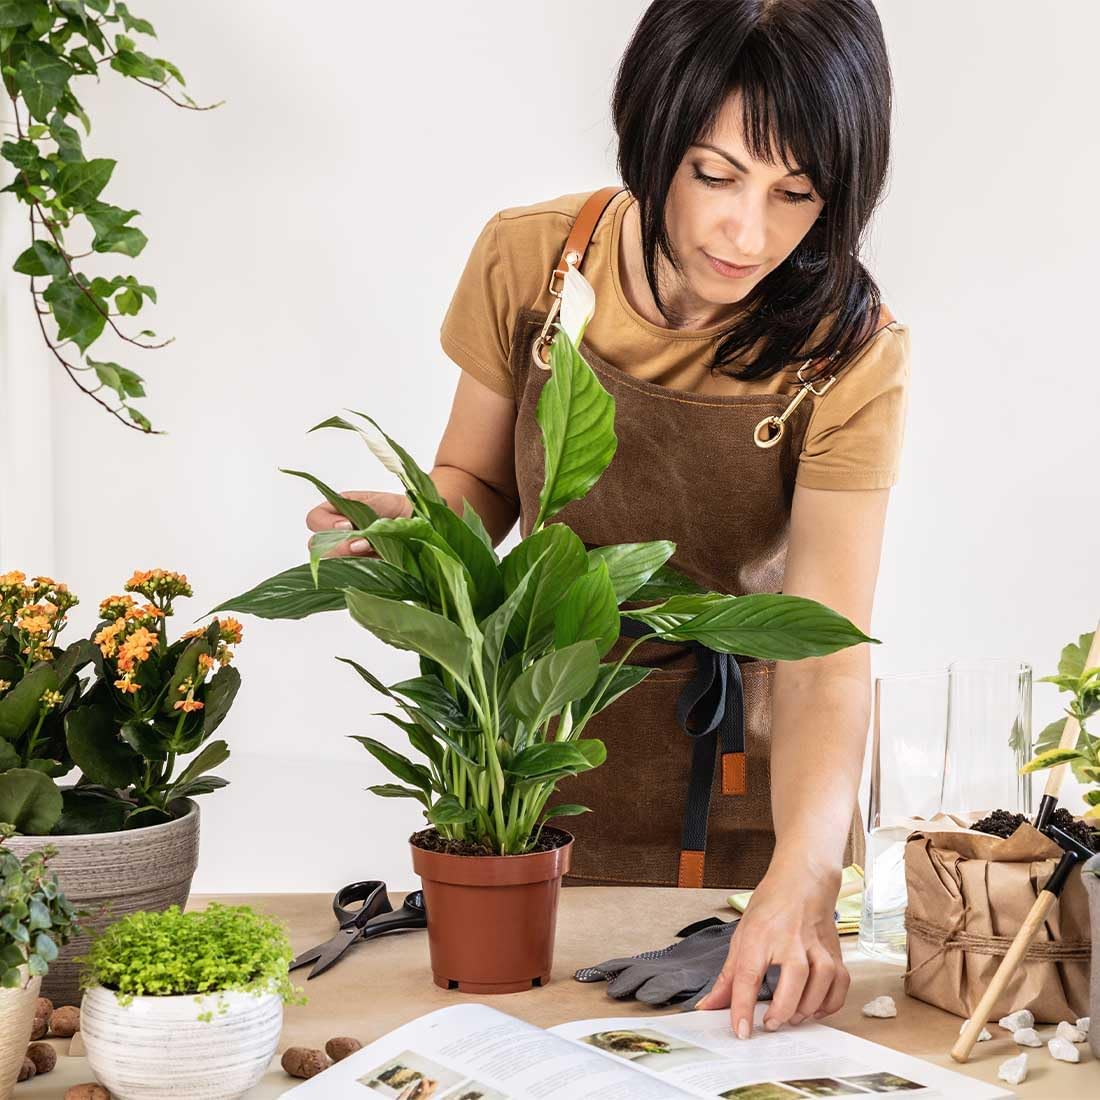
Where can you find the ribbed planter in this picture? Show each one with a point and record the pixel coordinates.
(156, 1048)
(112, 874)
(491, 919)
(16, 1024)
(1090, 875)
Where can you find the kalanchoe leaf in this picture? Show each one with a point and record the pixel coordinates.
(29, 801)
(19, 707)
(97, 750)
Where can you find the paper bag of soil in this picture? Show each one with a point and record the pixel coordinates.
(969, 893)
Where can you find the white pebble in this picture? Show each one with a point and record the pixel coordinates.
(1063, 1050)
(1014, 1070)
(1016, 1020)
(983, 1035)
(1027, 1037)
(1071, 1034)
(882, 1008)
(1083, 1024)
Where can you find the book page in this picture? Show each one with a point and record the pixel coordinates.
(473, 1052)
(698, 1052)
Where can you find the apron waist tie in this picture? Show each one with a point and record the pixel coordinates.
(711, 711)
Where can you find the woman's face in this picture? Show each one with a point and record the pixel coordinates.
(725, 208)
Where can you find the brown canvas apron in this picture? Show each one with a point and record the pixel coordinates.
(686, 469)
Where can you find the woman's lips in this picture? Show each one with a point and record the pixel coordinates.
(731, 271)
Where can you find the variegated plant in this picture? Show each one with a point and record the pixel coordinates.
(511, 649)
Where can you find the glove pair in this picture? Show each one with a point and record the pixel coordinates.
(682, 973)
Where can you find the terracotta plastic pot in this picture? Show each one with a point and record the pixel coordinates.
(491, 919)
(112, 874)
(1090, 875)
(16, 1023)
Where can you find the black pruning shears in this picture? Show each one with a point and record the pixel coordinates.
(374, 917)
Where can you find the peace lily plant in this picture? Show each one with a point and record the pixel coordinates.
(511, 649)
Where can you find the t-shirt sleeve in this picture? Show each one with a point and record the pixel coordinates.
(855, 434)
(475, 330)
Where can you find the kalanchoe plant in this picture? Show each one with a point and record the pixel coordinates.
(149, 703)
(36, 919)
(215, 950)
(46, 46)
(1083, 685)
(511, 650)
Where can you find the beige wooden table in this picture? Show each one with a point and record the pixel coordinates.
(381, 984)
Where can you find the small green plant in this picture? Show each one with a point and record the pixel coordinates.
(36, 919)
(511, 650)
(1083, 685)
(220, 949)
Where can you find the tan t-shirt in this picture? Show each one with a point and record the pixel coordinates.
(854, 436)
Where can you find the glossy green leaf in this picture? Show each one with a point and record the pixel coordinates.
(563, 560)
(552, 756)
(610, 684)
(770, 627)
(220, 691)
(667, 582)
(553, 681)
(42, 258)
(361, 514)
(449, 811)
(399, 765)
(1050, 759)
(405, 626)
(577, 417)
(589, 609)
(631, 564)
(19, 707)
(97, 750)
(481, 563)
(30, 801)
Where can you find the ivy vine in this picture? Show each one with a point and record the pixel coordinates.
(45, 45)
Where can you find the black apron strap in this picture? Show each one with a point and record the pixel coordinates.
(711, 711)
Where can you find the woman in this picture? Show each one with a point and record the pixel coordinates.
(753, 143)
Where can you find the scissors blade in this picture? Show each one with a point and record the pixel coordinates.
(329, 953)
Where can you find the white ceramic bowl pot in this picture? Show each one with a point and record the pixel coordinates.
(16, 1023)
(158, 1048)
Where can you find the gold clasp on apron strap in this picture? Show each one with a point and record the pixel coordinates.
(545, 337)
(770, 430)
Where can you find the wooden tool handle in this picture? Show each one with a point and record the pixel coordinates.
(1073, 727)
(969, 1036)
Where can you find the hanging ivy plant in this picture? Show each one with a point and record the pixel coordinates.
(45, 46)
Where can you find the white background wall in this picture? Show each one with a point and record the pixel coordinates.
(305, 240)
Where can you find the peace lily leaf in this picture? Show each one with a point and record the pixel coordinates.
(401, 766)
(553, 681)
(590, 609)
(769, 627)
(398, 461)
(368, 676)
(405, 626)
(480, 561)
(473, 521)
(361, 514)
(631, 564)
(30, 801)
(458, 597)
(563, 561)
(421, 738)
(400, 541)
(609, 685)
(429, 694)
(667, 582)
(495, 626)
(449, 811)
(293, 594)
(576, 415)
(547, 757)
(565, 810)
(578, 304)
(395, 790)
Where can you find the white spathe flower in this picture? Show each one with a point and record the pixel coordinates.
(382, 451)
(578, 304)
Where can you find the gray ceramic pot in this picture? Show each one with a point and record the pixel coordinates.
(112, 874)
(1090, 875)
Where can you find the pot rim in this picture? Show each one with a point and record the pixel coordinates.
(59, 839)
(545, 853)
(517, 870)
(178, 998)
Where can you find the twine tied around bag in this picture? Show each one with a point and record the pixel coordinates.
(956, 938)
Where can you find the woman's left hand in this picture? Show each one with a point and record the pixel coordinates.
(790, 921)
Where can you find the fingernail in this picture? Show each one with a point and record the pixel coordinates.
(744, 1029)
(819, 1014)
(358, 546)
(797, 1018)
(771, 1025)
(342, 525)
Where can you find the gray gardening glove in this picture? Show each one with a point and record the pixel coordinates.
(682, 973)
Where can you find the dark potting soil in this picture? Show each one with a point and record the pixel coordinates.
(1002, 823)
(431, 841)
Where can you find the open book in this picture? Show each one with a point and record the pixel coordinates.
(473, 1052)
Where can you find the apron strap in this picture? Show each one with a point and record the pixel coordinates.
(711, 711)
(581, 234)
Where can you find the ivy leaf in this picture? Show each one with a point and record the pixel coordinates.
(68, 140)
(80, 184)
(123, 381)
(42, 258)
(132, 23)
(41, 76)
(22, 154)
(19, 13)
(79, 315)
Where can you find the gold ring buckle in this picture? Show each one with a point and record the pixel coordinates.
(776, 425)
(775, 428)
(545, 337)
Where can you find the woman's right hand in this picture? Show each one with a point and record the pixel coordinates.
(325, 518)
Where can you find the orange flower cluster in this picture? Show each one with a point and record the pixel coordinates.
(35, 610)
(159, 584)
(128, 641)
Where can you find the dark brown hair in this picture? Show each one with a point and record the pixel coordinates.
(815, 83)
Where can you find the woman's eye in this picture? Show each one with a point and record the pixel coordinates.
(797, 196)
(709, 181)
(718, 181)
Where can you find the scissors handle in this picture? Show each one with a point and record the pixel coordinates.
(371, 893)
